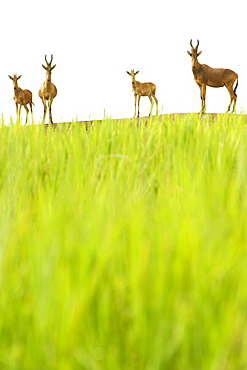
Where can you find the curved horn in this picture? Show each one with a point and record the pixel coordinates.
(197, 44)
(191, 44)
(51, 59)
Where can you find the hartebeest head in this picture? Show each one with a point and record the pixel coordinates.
(15, 79)
(48, 68)
(194, 53)
(132, 73)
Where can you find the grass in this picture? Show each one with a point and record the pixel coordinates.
(124, 246)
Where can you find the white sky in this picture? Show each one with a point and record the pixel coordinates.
(94, 42)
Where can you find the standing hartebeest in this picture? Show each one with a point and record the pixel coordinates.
(143, 89)
(48, 90)
(21, 97)
(214, 77)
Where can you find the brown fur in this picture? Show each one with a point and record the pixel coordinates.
(21, 97)
(143, 89)
(214, 77)
(48, 90)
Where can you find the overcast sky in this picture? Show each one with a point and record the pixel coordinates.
(94, 43)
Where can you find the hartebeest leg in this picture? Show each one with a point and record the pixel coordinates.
(233, 98)
(44, 104)
(26, 108)
(138, 102)
(152, 103)
(156, 101)
(18, 111)
(50, 116)
(135, 97)
(203, 97)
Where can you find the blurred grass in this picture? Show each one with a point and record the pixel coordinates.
(124, 246)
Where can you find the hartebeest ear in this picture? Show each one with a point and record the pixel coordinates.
(136, 72)
(189, 53)
(128, 73)
(53, 67)
(199, 53)
(10, 77)
(19, 77)
(44, 67)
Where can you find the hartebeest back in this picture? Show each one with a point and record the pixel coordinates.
(21, 97)
(143, 89)
(214, 77)
(48, 90)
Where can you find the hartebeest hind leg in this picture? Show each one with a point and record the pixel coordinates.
(27, 110)
(156, 101)
(152, 103)
(233, 98)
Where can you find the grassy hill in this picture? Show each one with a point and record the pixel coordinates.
(123, 246)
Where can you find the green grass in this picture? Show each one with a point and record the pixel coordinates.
(124, 246)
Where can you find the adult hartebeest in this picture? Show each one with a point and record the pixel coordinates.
(48, 90)
(21, 97)
(143, 89)
(214, 77)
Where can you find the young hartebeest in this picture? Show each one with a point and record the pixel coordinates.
(21, 97)
(214, 77)
(143, 89)
(48, 90)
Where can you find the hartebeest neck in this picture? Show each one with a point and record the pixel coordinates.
(17, 90)
(48, 76)
(196, 66)
(135, 85)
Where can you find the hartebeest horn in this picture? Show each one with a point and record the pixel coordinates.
(51, 59)
(193, 46)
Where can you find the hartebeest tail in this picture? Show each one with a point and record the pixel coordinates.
(21, 97)
(143, 89)
(214, 77)
(48, 90)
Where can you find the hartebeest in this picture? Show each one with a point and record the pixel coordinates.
(21, 97)
(48, 90)
(214, 77)
(143, 89)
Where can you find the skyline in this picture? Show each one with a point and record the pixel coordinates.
(95, 43)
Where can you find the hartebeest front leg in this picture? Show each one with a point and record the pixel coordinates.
(135, 97)
(50, 116)
(44, 104)
(139, 98)
(203, 97)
